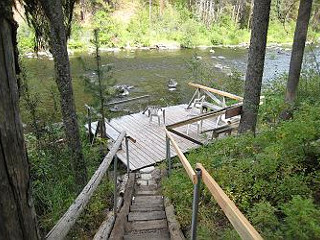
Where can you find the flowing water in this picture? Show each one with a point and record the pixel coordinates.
(149, 72)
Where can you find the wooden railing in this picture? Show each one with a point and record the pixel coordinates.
(183, 159)
(63, 226)
(236, 218)
(213, 90)
(230, 111)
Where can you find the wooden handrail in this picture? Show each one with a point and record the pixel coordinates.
(192, 175)
(63, 226)
(237, 219)
(213, 90)
(204, 116)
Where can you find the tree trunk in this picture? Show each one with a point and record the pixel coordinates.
(300, 36)
(255, 65)
(17, 215)
(58, 47)
(83, 10)
(101, 90)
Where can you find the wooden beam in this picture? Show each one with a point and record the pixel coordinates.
(183, 159)
(127, 100)
(233, 112)
(237, 219)
(63, 226)
(213, 90)
(193, 97)
(185, 136)
(204, 116)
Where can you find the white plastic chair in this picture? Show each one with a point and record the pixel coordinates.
(155, 111)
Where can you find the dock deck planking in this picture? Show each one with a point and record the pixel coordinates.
(150, 146)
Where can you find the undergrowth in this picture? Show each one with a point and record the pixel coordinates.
(53, 186)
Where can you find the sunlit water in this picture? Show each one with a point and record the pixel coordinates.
(149, 72)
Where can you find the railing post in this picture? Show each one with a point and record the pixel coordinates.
(195, 204)
(115, 184)
(127, 153)
(168, 154)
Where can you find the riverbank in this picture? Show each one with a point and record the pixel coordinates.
(281, 47)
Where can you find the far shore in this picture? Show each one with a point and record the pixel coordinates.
(160, 47)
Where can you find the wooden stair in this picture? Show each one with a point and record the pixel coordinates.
(146, 217)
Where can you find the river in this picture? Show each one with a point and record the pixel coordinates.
(149, 71)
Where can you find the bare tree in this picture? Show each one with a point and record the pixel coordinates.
(256, 57)
(17, 215)
(300, 36)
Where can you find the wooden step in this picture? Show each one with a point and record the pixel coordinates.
(154, 235)
(147, 187)
(146, 193)
(145, 216)
(146, 207)
(148, 199)
(148, 225)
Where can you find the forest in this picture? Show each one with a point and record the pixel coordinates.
(174, 24)
(62, 62)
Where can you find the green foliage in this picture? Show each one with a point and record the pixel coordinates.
(53, 184)
(301, 219)
(95, 212)
(176, 24)
(263, 174)
(25, 38)
(227, 31)
(263, 217)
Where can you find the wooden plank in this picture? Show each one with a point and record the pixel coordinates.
(145, 216)
(107, 225)
(185, 136)
(237, 219)
(156, 137)
(157, 234)
(213, 90)
(139, 132)
(146, 193)
(127, 100)
(143, 131)
(203, 116)
(63, 226)
(183, 159)
(146, 199)
(135, 147)
(119, 226)
(105, 228)
(233, 112)
(147, 225)
(146, 207)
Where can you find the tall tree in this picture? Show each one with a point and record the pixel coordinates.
(17, 215)
(256, 57)
(299, 41)
(51, 20)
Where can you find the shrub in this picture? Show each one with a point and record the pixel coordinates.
(301, 219)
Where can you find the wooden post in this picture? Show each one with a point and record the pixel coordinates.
(127, 155)
(89, 124)
(193, 97)
(115, 184)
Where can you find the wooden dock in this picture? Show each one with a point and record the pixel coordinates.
(150, 145)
